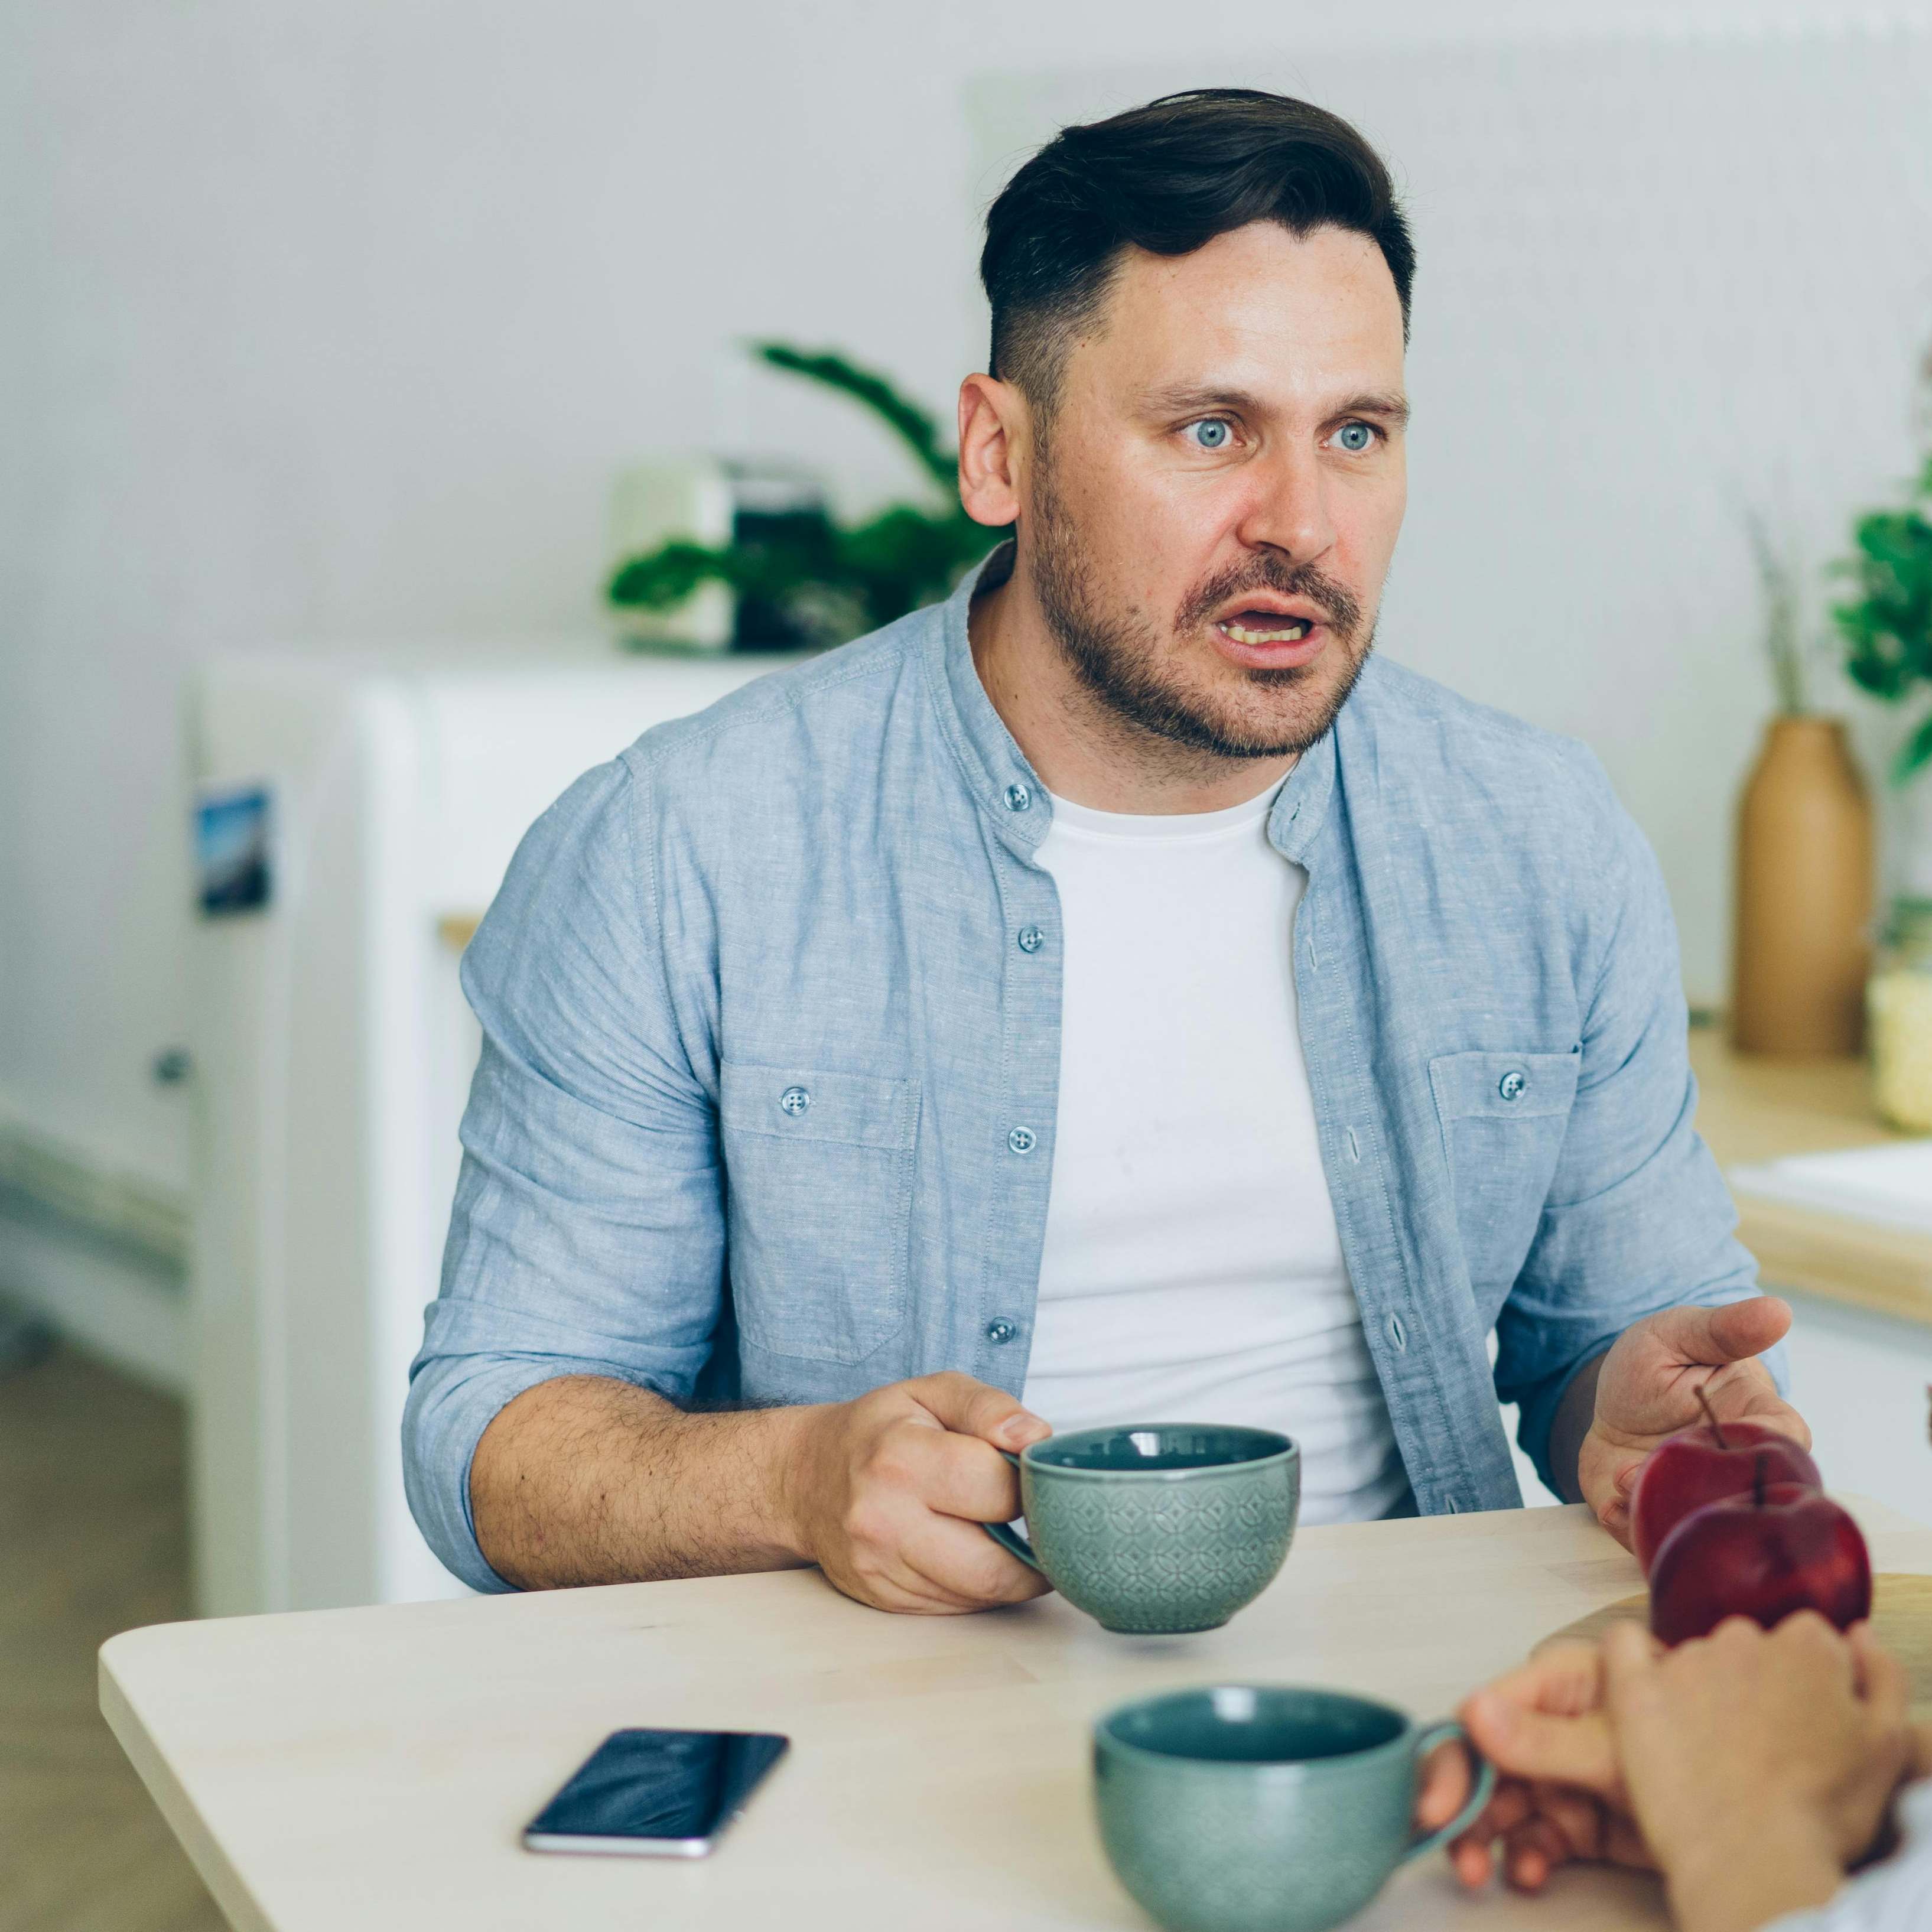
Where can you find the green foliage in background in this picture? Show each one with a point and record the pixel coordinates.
(834, 580)
(1887, 628)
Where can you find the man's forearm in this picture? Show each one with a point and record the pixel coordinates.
(587, 1479)
(1574, 1414)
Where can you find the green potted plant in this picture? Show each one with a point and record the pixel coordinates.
(1887, 629)
(1888, 626)
(832, 580)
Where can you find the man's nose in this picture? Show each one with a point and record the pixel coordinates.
(1288, 509)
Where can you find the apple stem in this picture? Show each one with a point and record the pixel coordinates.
(1757, 1479)
(1710, 1416)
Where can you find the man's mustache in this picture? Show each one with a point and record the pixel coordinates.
(1333, 600)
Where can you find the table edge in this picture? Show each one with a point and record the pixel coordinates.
(235, 1902)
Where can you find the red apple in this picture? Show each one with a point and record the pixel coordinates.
(1782, 1547)
(1705, 1465)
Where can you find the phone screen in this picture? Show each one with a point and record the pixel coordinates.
(668, 1793)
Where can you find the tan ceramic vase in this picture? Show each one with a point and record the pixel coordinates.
(1801, 947)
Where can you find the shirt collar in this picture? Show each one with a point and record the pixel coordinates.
(1302, 804)
(1008, 788)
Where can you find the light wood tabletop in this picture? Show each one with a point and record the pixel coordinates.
(372, 1768)
(1753, 1109)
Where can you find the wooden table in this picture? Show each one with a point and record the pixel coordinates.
(1751, 1109)
(371, 1769)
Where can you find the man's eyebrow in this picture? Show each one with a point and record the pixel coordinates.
(1180, 398)
(1391, 408)
(1185, 398)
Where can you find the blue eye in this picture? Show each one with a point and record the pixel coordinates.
(1355, 437)
(1211, 433)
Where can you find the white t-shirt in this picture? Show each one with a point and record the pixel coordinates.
(1192, 1270)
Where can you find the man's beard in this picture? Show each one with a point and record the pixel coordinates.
(1121, 658)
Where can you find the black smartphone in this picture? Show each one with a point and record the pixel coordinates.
(656, 1794)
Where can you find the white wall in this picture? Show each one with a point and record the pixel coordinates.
(336, 321)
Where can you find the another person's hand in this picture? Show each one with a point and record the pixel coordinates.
(1647, 1389)
(1759, 1764)
(890, 1490)
(1558, 1794)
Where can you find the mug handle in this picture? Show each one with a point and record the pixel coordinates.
(1005, 1535)
(1485, 1784)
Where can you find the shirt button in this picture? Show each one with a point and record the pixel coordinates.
(1021, 1140)
(1018, 797)
(1031, 939)
(1000, 1331)
(1511, 1085)
(794, 1100)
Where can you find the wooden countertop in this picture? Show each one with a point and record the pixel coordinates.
(372, 1768)
(1751, 1109)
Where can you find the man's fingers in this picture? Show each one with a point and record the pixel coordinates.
(1529, 1743)
(1733, 1333)
(1532, 1851)
(1624, 1845)
(959, 1475)
(1629, 1661)
(1444, 1787)
(971, 1408)
(1564, 1678)
(1469, 1859)
(960, 1559)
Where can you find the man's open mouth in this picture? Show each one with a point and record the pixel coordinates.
(1264, 627)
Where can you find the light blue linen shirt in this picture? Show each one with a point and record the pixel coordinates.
(771, 1046)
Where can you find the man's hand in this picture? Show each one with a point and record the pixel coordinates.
(1647, 1389)
(588, 1480)
(1559, 1796)
(1759, 1764)
(888, 1491)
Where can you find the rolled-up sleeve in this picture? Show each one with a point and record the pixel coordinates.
(587, 1236)
(1637, 1218)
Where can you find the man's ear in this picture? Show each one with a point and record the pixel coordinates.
(994, 436)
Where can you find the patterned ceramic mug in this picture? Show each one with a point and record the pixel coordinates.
(1263, 1808)
(1159, 1527)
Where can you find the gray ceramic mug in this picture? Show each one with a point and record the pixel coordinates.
(1263, 1808)
(1160, 1528)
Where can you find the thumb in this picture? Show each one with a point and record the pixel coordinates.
(968, 1407)
(1734, 1333)
(1630, 1662)
(1535, 1744)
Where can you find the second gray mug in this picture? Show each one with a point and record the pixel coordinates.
(1159, 1527)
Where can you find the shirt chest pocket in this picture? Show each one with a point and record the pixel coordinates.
(1503, 1117)
(818, 1172)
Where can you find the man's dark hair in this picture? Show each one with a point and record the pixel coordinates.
(1168, 178)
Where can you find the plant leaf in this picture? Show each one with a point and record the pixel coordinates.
(910, 424)
(1914, 754)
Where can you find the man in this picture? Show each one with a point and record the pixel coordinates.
(1111, 995)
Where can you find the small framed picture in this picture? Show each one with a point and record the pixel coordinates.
(234, 856)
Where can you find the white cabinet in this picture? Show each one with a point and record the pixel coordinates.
(333, 1052)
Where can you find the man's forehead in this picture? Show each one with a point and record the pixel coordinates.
(1249, 310)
